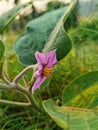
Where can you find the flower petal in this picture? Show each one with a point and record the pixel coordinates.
(38, 82)
(50, 58)
(44, 60)
(40, 57)
(39, 71)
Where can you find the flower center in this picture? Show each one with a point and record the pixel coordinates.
(47, 71)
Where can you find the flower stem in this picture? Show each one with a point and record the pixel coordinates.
(15, 80)
(30, 84)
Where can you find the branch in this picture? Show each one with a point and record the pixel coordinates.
(27, 93)
(29, 97)
(7, 87)
(15, 80)
(5, 78)
(25, 80)
(5, 102)
(30, 84)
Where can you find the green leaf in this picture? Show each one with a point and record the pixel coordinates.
(70, 118)
(82, 92)
(59, 38)
(79, 104)
(41, 37)
(8, 17)
(2, 49)
(11, 65)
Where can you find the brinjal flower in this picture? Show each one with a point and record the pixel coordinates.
(46, 61)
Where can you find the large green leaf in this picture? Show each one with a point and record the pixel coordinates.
(70, 118)
(2, 49)
(79, 104)
(8, 17)
(38, 38)
(82, 92)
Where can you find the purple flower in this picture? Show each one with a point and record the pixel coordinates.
(45, 63)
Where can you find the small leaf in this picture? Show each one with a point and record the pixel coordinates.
(82, 92)
(8, 17)
(2, 49)
(70, 118)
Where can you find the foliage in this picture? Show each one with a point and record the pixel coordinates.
(82, 97)
(88, 30)
(70, 117)
(68, 99)
(37, 36)
(2, 49)
(82, 59)
(7, 18)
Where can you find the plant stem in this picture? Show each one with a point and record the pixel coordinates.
(5, 78)
(14, 85)
(29, 97)
(31, 82)
(7, 87)
(5, 102)
(27, 93)
(15, 80)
